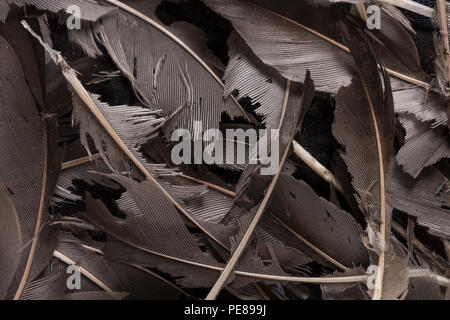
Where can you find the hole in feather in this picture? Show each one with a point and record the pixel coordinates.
(107, 195)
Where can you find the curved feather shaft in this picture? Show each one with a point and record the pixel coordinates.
(26, 273)
(147, 19)
(381, 259)
(70, 75)
(329, 178)
(79, 161)
(365, 109)
(233, 195)
(318, 280)
(209, 185)
(345, 48)
(219, 268)
(243, 244)
(59, 255)
(312, 246)
(231, 264)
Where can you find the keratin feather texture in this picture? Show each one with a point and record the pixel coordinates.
(88, 181)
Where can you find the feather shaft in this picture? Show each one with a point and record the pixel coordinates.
(26, 273)
(231, 264)
(346, 49)
(70, 75)
(147, 19)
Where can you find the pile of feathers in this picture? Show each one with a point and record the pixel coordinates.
(93, 207)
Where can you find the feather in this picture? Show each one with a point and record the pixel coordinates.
(188, 275)
(345, 291)
(365, 127)
(319, 221)
(28, 165)
(4, 9)
(133, 204)
(195, 39)
(49, 287)
(20, 42)
(424, 289)
(132, 125)
(410, 5)
(114, 276)
(398, 15)
(292, 41)
(291, 25)
(119, 140)
(206, 204)
(213, 208)
(10, 241)
(143, 241)
(140, 229)
(249, 77)
(89, 9)
(52, 285)
(202, 203)
(421, 198)
(425, 106)
(190, 35)
(64, 191)
(441, 41)
(47, 241)
(289, 49)
(172, 64)
(396, 48)
(424, 146)
(292, 116)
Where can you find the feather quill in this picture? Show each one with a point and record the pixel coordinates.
(143, 241)
(323, 225)
(113, 276)
(307, 43)
(121, 141)
(129, 37)
(292, 115)
(25, 155)
(365, 127)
